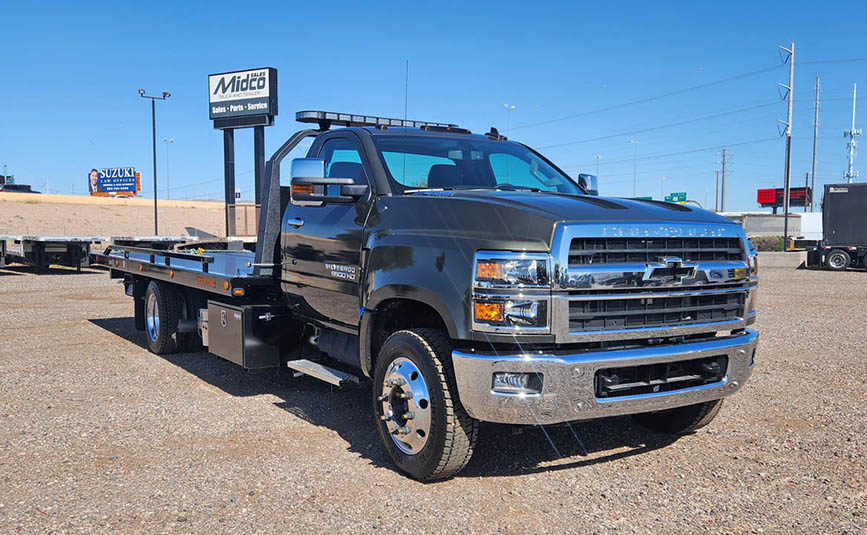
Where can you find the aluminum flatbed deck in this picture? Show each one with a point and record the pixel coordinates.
(221, 272)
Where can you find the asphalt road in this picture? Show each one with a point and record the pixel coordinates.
(97, 435)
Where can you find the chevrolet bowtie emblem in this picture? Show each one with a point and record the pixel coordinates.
(669, 269)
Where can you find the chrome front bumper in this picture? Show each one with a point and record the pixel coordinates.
(568, 387)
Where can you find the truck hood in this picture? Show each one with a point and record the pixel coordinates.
(560, 207)
(523, 220)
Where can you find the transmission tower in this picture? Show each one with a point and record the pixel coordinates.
(851, 174)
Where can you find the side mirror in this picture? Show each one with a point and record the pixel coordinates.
(310, 186)
(589, 183)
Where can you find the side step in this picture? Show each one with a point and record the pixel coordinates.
(329, 375)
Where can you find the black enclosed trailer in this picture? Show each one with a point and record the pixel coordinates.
(844, 228)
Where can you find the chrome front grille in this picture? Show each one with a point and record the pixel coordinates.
(636, 312)
(647, 250)
(646, 280)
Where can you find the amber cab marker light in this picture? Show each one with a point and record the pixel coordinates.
(489, 311)
(226, 285)
(490, 270)
(238, 291)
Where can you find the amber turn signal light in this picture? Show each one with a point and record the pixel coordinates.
(302, 189)
(489, 311)
(490, 270)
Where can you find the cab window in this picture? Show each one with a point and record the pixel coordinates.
(342, 160)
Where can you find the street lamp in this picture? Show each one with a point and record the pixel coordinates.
(662, 187)
(597, 156)
(167, 140)
(509, 120)
(634, 169)
(166, 94)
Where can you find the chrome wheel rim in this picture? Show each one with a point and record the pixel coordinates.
(836, 260)
(406, 409)
(152, 317)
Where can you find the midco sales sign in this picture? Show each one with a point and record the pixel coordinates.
(243, 93)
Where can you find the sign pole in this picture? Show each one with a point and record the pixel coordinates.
(229, 173)
(258, 160)
(154, 132)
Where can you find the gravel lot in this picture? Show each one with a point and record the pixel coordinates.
(98, 435)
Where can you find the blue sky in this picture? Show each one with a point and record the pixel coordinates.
(71, 74)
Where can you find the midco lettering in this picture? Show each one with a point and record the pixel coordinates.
(243, 93)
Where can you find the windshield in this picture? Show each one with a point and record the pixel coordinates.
(428, 162)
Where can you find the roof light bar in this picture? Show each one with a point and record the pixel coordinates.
(350, 119)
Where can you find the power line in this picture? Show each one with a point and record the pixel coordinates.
(650, 99)
(689, 151)
(669, 125)
(824, 61)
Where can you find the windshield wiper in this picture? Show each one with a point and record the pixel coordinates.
(512, 187)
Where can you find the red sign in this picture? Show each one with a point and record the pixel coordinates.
(774, 196)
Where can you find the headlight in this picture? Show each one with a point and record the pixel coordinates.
(511, 292)
(510, 313)
(511, 270)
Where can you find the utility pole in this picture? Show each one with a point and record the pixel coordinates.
(722, 194)
(851, 174)
(806, 190)
(597, 156)
(634, 169)
(790, 90)
(716, 194)
(167, 141)
(509, 109)
(815, 139)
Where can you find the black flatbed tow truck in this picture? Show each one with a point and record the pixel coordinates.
(470, 280)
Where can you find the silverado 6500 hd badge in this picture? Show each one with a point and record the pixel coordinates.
(343, 271)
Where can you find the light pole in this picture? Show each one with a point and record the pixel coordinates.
(634, 169)
(509, 120)
(167, 141)
(166, 94)
(597, 156)
(662, 187)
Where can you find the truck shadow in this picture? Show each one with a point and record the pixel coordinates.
(501, 450)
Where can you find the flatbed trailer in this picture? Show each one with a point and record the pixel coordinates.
(42, 251)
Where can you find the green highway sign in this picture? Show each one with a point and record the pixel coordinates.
(644, 198)
(679, 197)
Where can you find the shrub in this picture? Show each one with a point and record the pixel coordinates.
(768, 243)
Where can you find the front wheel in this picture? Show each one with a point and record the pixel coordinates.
(421, 422)
(682, 420)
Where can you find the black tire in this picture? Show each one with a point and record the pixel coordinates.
(189, 303)
(162, 335)
(452, 433)
(682, 420)
(837, 260)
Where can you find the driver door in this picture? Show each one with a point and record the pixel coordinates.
(321, 245)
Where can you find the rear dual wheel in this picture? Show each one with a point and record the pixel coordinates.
(161, 318)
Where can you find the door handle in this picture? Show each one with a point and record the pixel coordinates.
(296, 222)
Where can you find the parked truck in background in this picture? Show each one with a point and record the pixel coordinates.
(844, 235)
(469, 279)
